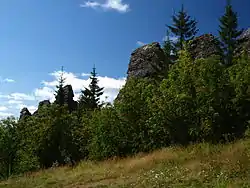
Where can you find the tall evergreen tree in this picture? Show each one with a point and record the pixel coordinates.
(90, 97)
(168, 48)
(59, 94)
(184, 27)
(229, 32)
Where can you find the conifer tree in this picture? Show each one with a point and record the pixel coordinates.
(59, 94)
(184, 27)
(90, 97)
(229, 32)
(168, 48)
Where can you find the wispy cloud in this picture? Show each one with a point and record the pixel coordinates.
(5, 114)
(18, 96)
(90, 4)
(15, 102)
(116, 5)
(3, 108)
(85, 74)
(6, 80)
(171, 38)
(140, 43)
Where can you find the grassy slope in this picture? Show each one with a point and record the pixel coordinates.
(198, 166)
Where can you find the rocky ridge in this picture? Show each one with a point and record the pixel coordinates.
(147, 60)
(69, 100)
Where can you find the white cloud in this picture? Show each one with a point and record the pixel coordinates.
(14, 102)
(116, 5)
(44, 93)
(18, 96)
(3, 108)
(31, 108)
(5, 114)
(21, 96)
(85, 74)
(111, 86)
(171, 38)
(140, 43)
(91, 4)
(6, 80)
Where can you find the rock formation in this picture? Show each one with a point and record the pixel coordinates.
(204, 46)
(44, 103)
(145, 61)
(69, 97)
(244, 41)
(24, 113)
(41, 104)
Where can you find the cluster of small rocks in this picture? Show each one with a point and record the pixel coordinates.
(69, 95)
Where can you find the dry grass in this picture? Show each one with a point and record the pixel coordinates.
(202, 165)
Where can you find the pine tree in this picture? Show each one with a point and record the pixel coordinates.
(183, 27)
(90, 97)
(59, 94)
(229, 32)
(168, 48)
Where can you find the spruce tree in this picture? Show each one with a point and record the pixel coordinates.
(90, 97)
(229, 33)
(184, 27)
(168, 48)
(59, 94)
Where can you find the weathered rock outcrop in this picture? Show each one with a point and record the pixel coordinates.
(42, 104)
(24, 113)
(244, 41)
(69, 97)
(145, 61)
(204, 46)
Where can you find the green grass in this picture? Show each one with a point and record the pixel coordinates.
(201, 165)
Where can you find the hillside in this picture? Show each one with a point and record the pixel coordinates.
(195, 89)
(199, 165)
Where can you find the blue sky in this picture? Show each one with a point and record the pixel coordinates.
(37, 37)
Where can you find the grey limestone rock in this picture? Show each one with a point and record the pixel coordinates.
(146, 60)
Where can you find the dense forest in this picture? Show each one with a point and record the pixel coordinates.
(190, 99)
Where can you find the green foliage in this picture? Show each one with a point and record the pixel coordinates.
(8, 147)
(197, 102)
(168, 48)
(240, 81)
(141, 125)
(28, 141)
(183, 27)
(108, 137)
(90, 97)
(56, 144)
(193, 101)
(229, 33)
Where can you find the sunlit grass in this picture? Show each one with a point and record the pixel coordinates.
(201, 165)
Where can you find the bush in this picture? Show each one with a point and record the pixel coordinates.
(108, 137)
